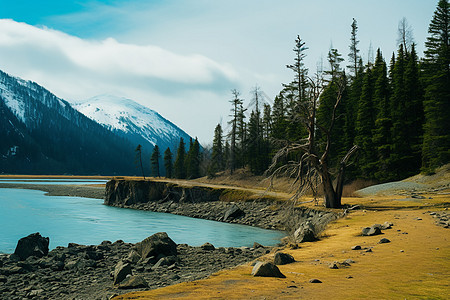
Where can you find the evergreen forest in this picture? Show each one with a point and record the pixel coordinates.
(395, 108)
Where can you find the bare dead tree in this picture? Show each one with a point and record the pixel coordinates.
(405, 34)
(312, 169)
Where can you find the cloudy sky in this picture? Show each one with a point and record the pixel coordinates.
(182, 57)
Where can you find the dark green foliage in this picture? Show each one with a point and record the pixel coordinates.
(168, 165)
(327, 102)
(353, 56)
(383, 124)
(364, 127)
(138, 159)
(154, 160)
(401, 151)
(436, 77)
(193, 160)
(179, 165)
(217, 156)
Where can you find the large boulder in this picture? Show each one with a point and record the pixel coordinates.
(157, 244)
(305, 233)
(32, 245)
(233, 212)
(121, 271)
(267, 269)
(283, 258)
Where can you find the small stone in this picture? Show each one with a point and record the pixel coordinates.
(384, 241)
(357, 247)
(402, 250)
(133, 282)
(370, 231)
(208, 247)
(267, 269)
(257, 245)
(315, 281)
(368, 250)
(283, 258)
(349, 276)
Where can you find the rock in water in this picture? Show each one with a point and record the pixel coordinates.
(233, 212)
(283, 258)
(32, 245)
(159, 243)
(121, 271)
(267, 269)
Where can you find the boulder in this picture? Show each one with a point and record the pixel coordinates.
(208, 247)
(233, 212)
(32, 245)
(133, 282)
(121, 271)
(315, 280)
(283, 258)
(305, 233)
(133, 257)
(372, 230)
(384, 241)
(157, 244)
(165, 261)
(267, 269)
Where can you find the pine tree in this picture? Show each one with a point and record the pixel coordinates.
(217, 156)
(327, 101)
(382, 132)
(353, 56)
(236, 104)
(401, 152)
(156, 155)
(365, 126)
(138, 158)
(414, 111)
(436, 76)
(279, 118)
(193, 161)
(168, 165)
(179, 165)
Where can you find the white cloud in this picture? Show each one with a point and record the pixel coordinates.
(75, 68)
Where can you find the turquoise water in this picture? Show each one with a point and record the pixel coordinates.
(53, 181)
(89, 222)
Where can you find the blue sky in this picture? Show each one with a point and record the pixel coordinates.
(182, 58)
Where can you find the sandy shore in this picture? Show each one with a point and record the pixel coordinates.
(86, 191)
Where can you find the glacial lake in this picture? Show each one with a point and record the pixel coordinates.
(87, 221)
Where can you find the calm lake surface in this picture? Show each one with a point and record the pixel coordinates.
(54, 181)
(89, 222)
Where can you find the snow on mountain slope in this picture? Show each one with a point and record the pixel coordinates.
(132, 119)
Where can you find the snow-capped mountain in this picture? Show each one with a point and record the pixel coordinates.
(42, 134)
(132, 120)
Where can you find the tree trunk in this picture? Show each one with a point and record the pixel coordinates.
(331, 199)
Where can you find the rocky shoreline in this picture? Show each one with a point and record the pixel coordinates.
(85, 272)
(89, 272)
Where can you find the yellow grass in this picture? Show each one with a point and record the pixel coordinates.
(420, 271)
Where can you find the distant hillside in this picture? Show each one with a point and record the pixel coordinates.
(138, 123)
(42, 134)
